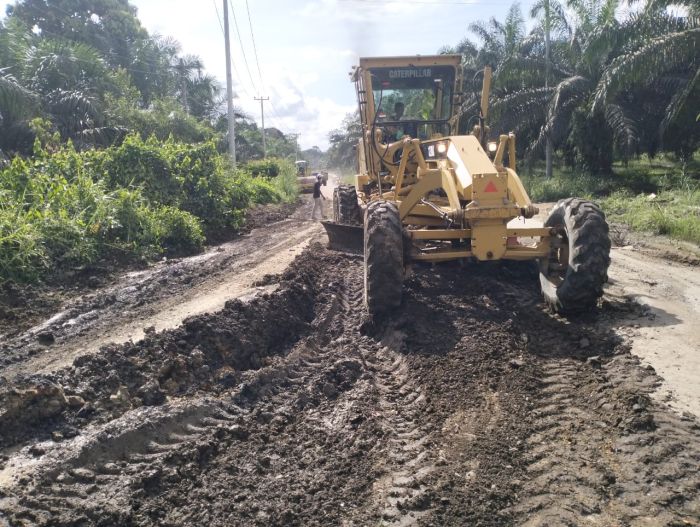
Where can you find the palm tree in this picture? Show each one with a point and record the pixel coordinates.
(204, 96)
(17, 106)
(606, 78)
(498, 40)
(184, 68)
(552, 16)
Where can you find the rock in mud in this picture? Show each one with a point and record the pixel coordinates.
(151, 393)
(39, 400)
(46, 337)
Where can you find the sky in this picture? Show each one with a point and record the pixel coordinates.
(306, 48)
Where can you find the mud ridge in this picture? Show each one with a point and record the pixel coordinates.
(208, 353)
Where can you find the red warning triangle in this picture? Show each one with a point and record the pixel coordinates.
(491, 187)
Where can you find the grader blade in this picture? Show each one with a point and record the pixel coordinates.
(346, 238)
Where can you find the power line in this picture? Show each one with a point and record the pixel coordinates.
(255, 48)
(235, 69)
(426, 2)
(240, 40)
(245, 58)
(257, 62)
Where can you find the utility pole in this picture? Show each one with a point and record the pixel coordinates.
(295, 135)
(262, 116)
(229, 91)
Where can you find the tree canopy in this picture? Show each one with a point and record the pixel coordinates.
(89, 72)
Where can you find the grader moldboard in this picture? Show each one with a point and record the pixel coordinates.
(426, 194)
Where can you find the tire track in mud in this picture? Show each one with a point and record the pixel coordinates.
(601, 453)
(401, 492)
(467, 406)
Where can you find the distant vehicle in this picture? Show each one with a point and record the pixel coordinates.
(307, 178)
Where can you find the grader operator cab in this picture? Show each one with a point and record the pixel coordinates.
(425, 193)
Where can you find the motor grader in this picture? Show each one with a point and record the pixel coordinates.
(426, 193)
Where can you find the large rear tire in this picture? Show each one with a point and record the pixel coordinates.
(384, 271)
(573, 276)
(348, 209)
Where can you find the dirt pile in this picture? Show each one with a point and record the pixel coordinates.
(468, 405)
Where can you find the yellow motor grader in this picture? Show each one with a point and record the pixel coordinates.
(425, 193)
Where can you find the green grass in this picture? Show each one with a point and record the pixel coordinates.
(674, 213)
(658, 196)
(640, 176)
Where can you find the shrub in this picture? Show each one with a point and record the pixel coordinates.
(22, 254)
(140, 199)
(268, 168)
(179, 232)
(286, 182)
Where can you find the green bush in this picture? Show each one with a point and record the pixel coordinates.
(179, 232)
(282, 175)
(22, 254)
(65, 209)
(286, 182)
(268, 168)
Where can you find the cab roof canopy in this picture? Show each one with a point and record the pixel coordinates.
(409, 61)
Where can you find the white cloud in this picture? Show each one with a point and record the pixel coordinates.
(293, 109)
(370, 10)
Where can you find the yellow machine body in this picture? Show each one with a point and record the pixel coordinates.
(454, 193)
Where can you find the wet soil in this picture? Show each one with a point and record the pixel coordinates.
(468, 405)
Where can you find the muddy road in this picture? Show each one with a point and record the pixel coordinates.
(161, 296)
(470, 405)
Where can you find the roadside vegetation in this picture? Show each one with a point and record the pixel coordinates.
(656, 195)
(675, 213)
(113, 144)
(62, 208)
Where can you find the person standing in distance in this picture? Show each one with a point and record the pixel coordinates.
(318, 196)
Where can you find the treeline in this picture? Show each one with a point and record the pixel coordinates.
(88, 70)
(622, 80)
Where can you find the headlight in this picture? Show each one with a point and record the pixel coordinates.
(493, 146)
(436, 150)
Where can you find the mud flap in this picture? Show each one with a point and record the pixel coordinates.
(346, 238)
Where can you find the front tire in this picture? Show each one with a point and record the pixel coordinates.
(348, 209)
(384, 271)
(573, 276)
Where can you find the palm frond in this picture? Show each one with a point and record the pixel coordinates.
(16, 101)
(72, 111)
(555, 128)
(624, 128)
(527, 71)
(508, 112)
(575, 88)
(677, 103)
(651, 60)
